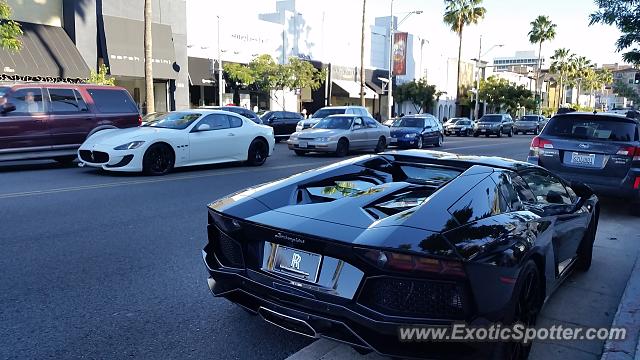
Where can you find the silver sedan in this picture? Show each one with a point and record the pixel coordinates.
(339, 134)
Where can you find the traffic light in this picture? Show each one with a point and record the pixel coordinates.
(637, 79)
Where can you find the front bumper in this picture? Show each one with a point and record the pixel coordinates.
(302, 313)
(525, 128)
(104, 157)
(403, 141)
(487, 131)
(315, 146)
(456, 131)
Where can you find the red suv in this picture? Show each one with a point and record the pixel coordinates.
(51, 121)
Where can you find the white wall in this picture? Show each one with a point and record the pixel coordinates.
(46, 12)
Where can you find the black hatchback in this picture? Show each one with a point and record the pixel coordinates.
(283, 122)
(601, 150)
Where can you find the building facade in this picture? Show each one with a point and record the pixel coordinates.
(522, 61)
(88, 33)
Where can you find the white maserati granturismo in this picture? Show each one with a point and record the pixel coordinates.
(179, 138)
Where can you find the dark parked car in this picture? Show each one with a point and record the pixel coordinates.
(283, 123)
(459, 127)
(494, 124)
(355, 250)
(602, 150)
(51, 121)
(417, 131)
(237, 110)
(529, 124)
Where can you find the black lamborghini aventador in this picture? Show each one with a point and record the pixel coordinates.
(355, 250)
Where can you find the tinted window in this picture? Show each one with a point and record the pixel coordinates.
(482, 201)
(27, 101)
(370, 123)
(268, 115)
(234, 121)
(66, 101)
(491, 118)
(323, 113)
(216, 121)
(592, 127)
(113, 101)
(547, 188)
(410, 122)
(509, 193)
(522, 189)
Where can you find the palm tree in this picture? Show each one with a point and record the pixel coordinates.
(364, 11)
(458, 14)
(561, 64)
(542, 29)
(580, 67)
(148, 58)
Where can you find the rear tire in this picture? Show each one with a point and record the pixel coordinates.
(342, 149)
(500, 133)
(258, 152)
(475, 134)
(382, 144)
(420, 143)
(510, 133)
(440, 141)
(159, 159)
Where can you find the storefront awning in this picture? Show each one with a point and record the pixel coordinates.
(201, 72)
(351, 89)
(47, 53)
(124, 40)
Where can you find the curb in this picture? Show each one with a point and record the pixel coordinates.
(628, 317)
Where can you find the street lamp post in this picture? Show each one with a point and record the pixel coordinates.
(478, 65)
(220, 84)
(392, 30)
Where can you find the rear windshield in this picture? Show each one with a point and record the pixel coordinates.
(591, 128)
(491, 118)
(113, 101)
(323, 113)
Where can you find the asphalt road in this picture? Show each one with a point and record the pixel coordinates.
(98, 265)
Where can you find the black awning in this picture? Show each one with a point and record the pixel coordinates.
(201, 71)
(124, 40)
(47, 52)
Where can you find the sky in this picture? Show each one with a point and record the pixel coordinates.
(506, 23)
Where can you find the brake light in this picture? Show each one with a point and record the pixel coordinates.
(413, 263)
(139, 120)
(539, 143)
(636, 185)
(630, 151)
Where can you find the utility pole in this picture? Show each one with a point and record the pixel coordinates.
(479, 62)
(390, 84)
(220, 80)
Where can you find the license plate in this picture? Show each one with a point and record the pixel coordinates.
(393, 140)
(483, 130)
(303, 144)
(583, 159)
(299, 264)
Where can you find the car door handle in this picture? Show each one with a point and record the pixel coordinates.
(231, 134)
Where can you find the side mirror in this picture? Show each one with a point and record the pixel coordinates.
(7, 108)
(581, 189)
(203, 127)
(554, 198)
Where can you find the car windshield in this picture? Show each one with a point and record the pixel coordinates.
(529, 118)
(323, 113)
(491, 118)
(592, 128)
(174, 120)
(461, 122)
(339, 122)
(409, 122)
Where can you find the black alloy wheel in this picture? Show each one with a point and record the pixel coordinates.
(342, 149)
(258, 152)
(382, 144)
(159, 159)
(527, 308)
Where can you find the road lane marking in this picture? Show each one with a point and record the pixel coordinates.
(146, 181)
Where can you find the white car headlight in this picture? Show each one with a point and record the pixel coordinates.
(409, 136)
(129, 146)
(324, 139)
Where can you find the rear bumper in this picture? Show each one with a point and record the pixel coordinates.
(302, 313)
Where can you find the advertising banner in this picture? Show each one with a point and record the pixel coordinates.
(400, 53)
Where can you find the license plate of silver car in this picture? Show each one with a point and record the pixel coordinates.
(583, 159)
(297, 263)
(303, 144)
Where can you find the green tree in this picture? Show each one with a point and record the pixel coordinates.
(266, 75)
(10, 30)
(419, 93)
(458, 14)
(624, 14)
(542, 29)
(580, 68)
(562, 65)
(623, 90)
(500, 94)
(101, 77)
